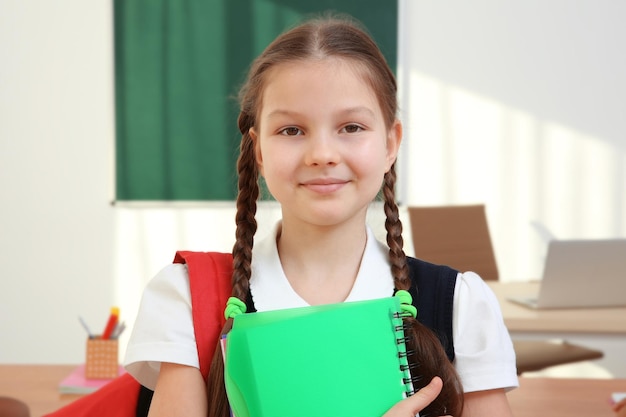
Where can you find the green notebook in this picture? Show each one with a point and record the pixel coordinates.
(331, 360)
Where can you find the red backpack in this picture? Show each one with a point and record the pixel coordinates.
(210, 284)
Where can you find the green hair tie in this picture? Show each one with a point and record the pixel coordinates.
(234, 307)
(406, 303)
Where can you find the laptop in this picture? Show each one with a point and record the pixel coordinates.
(581, 273)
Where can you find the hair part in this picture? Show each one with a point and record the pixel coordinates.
(317, 39)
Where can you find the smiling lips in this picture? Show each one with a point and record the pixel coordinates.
(324, 185)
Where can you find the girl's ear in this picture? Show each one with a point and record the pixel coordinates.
(394, 139)
(258, 156)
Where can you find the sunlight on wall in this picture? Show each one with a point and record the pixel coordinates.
(148, 236)
(582, 172)
(462, 148)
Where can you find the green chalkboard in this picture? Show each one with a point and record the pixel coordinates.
(178, 67)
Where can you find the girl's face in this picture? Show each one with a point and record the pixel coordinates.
(321, 141)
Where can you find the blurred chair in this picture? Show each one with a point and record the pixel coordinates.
(458, 236)
(10, 407)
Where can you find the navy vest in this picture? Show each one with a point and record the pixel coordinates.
(432, 289)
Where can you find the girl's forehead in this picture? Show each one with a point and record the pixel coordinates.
(331, 64)
(302, 74)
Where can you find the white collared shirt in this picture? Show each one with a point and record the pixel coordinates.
(271, 289)
(163, 330)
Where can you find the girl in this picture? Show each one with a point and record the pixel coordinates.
(318, 122)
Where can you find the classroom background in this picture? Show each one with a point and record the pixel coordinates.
(516, 105)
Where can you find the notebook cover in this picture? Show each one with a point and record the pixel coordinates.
(320, 361)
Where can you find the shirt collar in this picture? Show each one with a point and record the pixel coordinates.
(271, 289)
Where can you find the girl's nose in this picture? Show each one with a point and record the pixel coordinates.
(322, 149)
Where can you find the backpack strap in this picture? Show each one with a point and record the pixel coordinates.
(432, 289)
(210, 284)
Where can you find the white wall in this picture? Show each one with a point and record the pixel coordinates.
(518, 105)
(56, 137)
(498, 85)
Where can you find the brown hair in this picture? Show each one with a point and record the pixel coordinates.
(318, 39)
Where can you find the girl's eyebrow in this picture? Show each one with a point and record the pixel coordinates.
(280, 112)
(345, 112)
(358, 109)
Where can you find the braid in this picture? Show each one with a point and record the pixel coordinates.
(427, 357)
(242, 257)
(397, 257)
(246, 210)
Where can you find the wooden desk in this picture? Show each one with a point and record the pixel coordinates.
(564, 397)
(598, 328)
(579, 320)
(36, 385)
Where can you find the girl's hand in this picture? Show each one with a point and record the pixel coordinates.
(409, 407)
(620, 408)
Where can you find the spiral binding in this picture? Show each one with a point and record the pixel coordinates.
(411, 378)
(402, 314)
(400, 327)
(405, 353)
(409, 367)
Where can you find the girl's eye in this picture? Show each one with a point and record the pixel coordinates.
(291, 131)
(352, 128)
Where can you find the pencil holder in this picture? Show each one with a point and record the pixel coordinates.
(101, 361)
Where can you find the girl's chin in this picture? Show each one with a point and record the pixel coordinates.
(329, 215)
